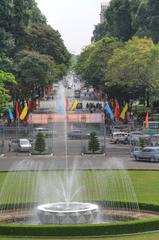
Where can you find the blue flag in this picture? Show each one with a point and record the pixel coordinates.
(59, 107)
(109, 111)
(10, 114)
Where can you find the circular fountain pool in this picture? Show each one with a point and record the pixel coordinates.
(68, 213)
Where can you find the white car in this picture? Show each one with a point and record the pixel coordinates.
(44, 131)
(147, 153)
(134, 137)
(119, 137)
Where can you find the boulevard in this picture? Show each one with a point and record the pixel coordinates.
(117, 154)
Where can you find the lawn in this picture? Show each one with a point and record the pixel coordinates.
(145, 184)
(94, 185)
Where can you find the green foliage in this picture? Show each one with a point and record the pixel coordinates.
(117, 21)
(29, 48)
(142, 143)
(93, 144)
(6, 79)
(40, 143)
(34, 70)
(126, 18)
(133, 69)
(92, 63)
(45, 40)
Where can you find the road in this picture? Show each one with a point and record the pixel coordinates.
(117, 157)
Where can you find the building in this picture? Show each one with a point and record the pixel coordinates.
(104, 6)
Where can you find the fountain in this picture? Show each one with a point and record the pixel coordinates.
(73, 194)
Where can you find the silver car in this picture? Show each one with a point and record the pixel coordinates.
(78, 134)
(24, 145)
(147, 153)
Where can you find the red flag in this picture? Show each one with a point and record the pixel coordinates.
(116, 110)
(17, 110)
(67, 104)
(147, 120)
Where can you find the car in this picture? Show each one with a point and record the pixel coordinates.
(24, 145)
(21, 145)
(78, 134)
(147, 153)
(134, 149)
(119, 137)
(44, 131)
(135, 137)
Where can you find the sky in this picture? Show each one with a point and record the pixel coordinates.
(74, 19)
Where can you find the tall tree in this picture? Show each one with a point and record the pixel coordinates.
(35, 71)
(118, 18)
(153, 8)
(6, 81)
(133, 69)
(95, 60)
(45, 40)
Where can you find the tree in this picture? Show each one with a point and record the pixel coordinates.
(6, 81)
(153, 20)
(35, 71)
(117, 21)
(40, 143)
(118, 18)
(133, 69)
(45, 40)
(92, 63)
(100, 31)
(93, 144)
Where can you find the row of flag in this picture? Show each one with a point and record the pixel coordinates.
(116, 114)
(18, 115)
(59, 105)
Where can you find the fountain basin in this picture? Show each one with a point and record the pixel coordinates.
(68, 213)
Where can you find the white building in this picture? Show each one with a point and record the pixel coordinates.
(104, 6)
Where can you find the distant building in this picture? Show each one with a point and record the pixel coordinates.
(104, 6)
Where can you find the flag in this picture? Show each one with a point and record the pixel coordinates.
(59, 107)
(24, 112)
(147, 120)
(17, 110)
(10, 114)
(74, 105)
(123, 113)
(109, 111)
(116, 110)
(67, 103)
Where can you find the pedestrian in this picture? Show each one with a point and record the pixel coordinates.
(9, 146)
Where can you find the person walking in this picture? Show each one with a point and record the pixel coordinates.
(10, 145)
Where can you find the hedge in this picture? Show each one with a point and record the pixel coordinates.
(80, 230)
(105, 229)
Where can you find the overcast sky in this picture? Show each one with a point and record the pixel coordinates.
(74, 19)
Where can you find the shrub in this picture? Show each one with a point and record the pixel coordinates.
(40, 143)
(93, 144)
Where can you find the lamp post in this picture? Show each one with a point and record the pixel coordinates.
(51, 124)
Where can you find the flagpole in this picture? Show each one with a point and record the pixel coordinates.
(104, 136)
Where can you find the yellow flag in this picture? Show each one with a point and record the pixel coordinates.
(122, 115)
(24, 112)
(74, 105)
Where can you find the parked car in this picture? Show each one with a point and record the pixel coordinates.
(21, 145)
(135, 149)
(147, 153)
(135, 137)
(78, 134)
(119, 137)
(44, 131)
